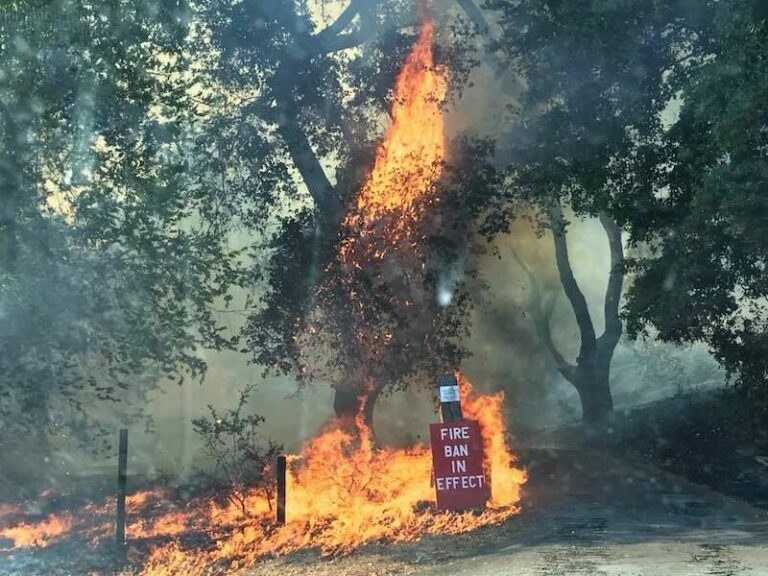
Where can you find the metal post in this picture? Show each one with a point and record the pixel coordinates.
(122, 465)
(450, 401)
(281, 473)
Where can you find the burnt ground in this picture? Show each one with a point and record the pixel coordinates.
(585, 512)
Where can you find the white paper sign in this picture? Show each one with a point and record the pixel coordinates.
(449, 393)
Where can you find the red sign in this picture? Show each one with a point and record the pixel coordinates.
(457, 460)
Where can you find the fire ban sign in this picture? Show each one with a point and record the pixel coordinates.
(457, 459)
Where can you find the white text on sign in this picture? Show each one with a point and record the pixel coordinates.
(457, 466)
(455, 433)
(460, 482)
(457, 459)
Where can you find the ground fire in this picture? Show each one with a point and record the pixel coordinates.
(343, 492)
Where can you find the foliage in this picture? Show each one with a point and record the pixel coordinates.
(311, 105)
(654, 112)
(381, 326)
(135, 138)
(108, 266)
(585, 139)
(241, 459)
(596, 87)
(704, 277)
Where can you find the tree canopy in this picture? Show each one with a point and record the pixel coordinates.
(109, 267)
(653, 113)
(704, 278)
(136, 137)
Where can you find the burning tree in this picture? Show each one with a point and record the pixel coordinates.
(353, 296)
(377, 304)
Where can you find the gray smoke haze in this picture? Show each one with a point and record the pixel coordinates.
(507, 354)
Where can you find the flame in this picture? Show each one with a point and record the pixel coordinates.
(381, 245)
(343, 492)
(487, 409)
(37, 535)
(408, 162)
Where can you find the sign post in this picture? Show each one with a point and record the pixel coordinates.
(457, 453)
(281, 485)
(450, 401)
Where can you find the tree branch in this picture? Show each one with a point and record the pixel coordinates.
(331, 39)
(320, 188)
(570, 286)
(480, 23)
(340, 24)
(542, 314)
(613, 325)
(284, 114)
(475, 15)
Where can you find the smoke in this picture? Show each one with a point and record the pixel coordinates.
(506, 355)
(506, 351)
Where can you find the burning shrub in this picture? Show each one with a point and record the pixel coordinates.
(243, 461)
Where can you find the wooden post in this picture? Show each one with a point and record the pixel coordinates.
(281, 473)
(450, 402)
(122, 465)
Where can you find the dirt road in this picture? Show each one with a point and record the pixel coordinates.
(594, 515)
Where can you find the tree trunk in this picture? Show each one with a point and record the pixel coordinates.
(346, 403)
(590, 374)
(595, 394)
